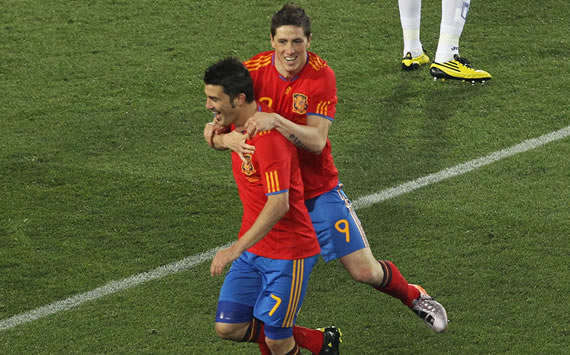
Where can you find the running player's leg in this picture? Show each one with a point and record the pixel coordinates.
(342, 237)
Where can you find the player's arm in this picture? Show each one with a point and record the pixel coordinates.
(275, 208)
(218, 138)
(311, 137)
(210, 136)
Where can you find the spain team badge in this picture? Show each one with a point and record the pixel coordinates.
(247, 167)
(300, 103)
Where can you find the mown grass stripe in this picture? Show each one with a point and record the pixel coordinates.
(110, 288)
(191, 261)
(460, 169)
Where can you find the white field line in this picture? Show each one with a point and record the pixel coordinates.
(110, 288)
(460, 169)
(191, 261)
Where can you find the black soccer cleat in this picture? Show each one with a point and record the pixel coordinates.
(332, 337)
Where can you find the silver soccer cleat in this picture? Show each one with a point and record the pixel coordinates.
(431, 311)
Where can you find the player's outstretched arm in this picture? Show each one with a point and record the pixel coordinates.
(275, 208)
(311, 137)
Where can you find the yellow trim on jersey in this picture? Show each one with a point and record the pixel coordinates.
(272, 179)
(277, 188)
(255, 64)
(323, 108)
(295, 294)
(317, 63)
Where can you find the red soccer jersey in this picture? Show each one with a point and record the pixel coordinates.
(311, 92)
(272, 169)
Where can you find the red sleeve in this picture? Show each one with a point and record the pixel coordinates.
(323, 98)
(274, 159)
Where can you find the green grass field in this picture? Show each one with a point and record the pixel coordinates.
(104, 174)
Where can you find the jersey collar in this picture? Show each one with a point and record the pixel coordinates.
(281, 76)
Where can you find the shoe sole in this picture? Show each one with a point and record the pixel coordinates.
(411, 67)
(440, 74)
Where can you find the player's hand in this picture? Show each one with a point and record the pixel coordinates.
(260, 121)
(213, 128)
(236, 142)
(223, 257)
(209, 131)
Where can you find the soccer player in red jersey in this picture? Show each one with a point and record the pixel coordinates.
(300, 88)
(277, 246)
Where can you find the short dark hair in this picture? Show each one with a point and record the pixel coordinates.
(291, 14)
(232, 76)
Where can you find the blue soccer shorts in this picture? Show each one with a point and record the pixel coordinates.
(338, 228)
(271, 290)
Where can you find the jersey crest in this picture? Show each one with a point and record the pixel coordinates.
(300, 103)
(247, 167)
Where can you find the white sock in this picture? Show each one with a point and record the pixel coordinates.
(453, 16)
(410, 15)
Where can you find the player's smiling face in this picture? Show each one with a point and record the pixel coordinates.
(219, 103)
(291, 46)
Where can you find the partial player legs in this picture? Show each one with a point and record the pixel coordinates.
(232, 331)
(282, 346)
(363, 267)
(385, 277)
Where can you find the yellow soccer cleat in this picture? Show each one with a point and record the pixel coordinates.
(409, 63)
(458, 69)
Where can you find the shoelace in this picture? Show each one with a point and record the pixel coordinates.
(425, 304)
(463, 61)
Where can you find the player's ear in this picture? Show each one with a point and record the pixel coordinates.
(272, 40)
(309, 40)
(241, 99)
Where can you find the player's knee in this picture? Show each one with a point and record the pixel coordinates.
(227, 331)
(279, 346)
(368, 273)
(362, 267)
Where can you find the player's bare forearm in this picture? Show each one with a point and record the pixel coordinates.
(213, 137)
(235, 141)
(218, 141)
(311, 137)
(275, 208)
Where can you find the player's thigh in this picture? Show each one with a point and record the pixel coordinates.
(239, 291)
(338, 228)
(284, 288)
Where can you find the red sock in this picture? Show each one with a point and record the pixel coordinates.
(395, 285)
(255, 334)
(264, 349)
(310, 339)
(295, 350)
